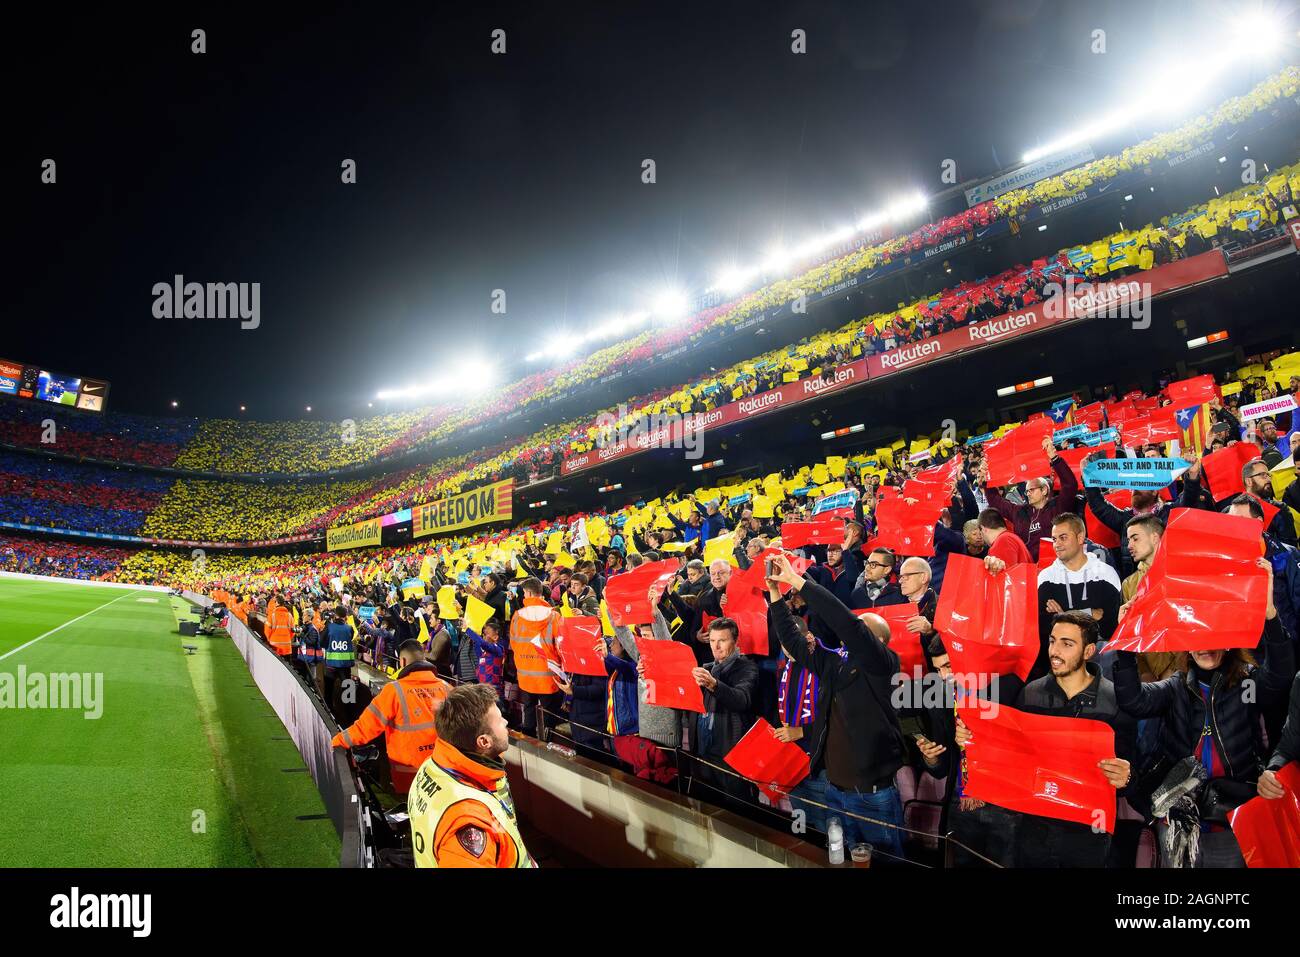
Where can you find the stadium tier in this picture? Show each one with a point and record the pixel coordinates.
(964, 536)
(213, 510)
(306, 447)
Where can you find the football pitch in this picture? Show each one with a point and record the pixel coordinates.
(153, 758)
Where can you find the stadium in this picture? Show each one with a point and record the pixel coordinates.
(778, 555)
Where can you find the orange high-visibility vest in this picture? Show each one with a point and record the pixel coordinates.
(279, 630)
(404, 712)
(533, 633)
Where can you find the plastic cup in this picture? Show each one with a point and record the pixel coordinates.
(861, 855)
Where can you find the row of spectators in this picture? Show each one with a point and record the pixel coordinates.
(828, 628)
(234, 445)
(36, 557)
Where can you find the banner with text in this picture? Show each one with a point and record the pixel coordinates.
(491, 503)
(356, 535)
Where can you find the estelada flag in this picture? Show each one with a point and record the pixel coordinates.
(906, 644)
(1203, 589)
(989, 622)
(577, 644)
(1039, 764)
(1222, 469)
(627, 594)
(667, 674)
(1019, 454)
(907, 528)
(775, 766)
(797, 534)
(1195, 391)
(1195, 422)
(1268, 831)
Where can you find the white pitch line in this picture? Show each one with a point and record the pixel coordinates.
(71, 621)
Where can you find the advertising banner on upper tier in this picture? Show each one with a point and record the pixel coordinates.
(1097, 298)
(355, 535)
(491, 503)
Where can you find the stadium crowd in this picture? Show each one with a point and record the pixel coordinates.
(28, 556)
(301, 446)
(788, 660)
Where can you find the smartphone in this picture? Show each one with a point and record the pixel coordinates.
(772, 568)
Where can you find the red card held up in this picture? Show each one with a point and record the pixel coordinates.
(668, 680)
(1268, 830)
(626, 594)
(775, 766)
(577, 644)
(1040, 764)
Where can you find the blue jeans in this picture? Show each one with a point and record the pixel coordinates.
(884, 805)
(813, 788)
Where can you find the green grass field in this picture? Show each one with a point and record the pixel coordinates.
(187, 766)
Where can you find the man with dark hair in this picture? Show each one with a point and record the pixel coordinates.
(1032, 520)
(1003, 550)
(730, 687)
(403, 712)
(1077, 581)
(1142, 535)
(1075, 688)
(461, 811)
(873, 587)
(491, 593)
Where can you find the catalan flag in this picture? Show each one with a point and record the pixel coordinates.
(1195, 423)
(1062, 413)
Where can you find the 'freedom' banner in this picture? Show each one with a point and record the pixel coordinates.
(353, 536)
(492, 503)
(1132, 473)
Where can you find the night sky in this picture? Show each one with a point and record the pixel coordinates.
(477, 171)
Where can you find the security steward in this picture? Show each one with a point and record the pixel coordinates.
(461, 811)
(279, 629)
(404, 712)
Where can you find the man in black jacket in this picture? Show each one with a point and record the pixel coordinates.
(873, 587)
(1075, 689)
(857, 744)
(729, 684)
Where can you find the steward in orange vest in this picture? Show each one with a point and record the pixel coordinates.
(534, 630)
(404, 712)
(279, 630)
